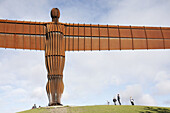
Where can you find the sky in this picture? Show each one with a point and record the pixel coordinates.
(90, 78)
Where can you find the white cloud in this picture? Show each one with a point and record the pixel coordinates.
(38, 93)
(147, 99)
(6, 87)
(163, 87)
(26, 76)
(25, 10)
(167, 102)
(137, 93)
(138, 12)
(113, 69)
(162, 76)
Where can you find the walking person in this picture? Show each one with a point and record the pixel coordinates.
(132, 101)
(108, 102)
(118, 98)
(114, 101)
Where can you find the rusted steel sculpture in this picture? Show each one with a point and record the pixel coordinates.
(56, 38)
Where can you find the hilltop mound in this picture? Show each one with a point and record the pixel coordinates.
(100, 109)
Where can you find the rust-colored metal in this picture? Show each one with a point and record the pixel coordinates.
(12, 33)
(55, 15)
(55, 59)
(56, 38)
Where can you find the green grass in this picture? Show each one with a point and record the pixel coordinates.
(119, 109)
(107, 109)
(38, 110)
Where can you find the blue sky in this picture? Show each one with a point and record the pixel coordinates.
(90, 78)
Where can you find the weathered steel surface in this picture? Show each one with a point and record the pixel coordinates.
(22, 34)
(55, 59)
(80, 37)
(55, 15)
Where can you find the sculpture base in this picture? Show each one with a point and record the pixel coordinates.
(55, 104)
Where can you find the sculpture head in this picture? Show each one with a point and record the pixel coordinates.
(55, 15)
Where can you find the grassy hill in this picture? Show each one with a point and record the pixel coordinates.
(101, 109)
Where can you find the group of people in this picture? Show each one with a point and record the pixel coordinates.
(118, 99)
(34, 106)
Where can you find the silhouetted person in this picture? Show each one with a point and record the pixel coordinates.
(108, 102)
(114, 100)
(132, 100)
(118, 98)
(33, 107)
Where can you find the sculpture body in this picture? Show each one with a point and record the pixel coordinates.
(55, 59)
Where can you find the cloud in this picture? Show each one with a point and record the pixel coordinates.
(167, 102)
(145, 12)
(136, 92)
(25, 10)
(161, 76)
(25, 80)
(38, 94)
(162, 81)
(147, 99)
(163, 87)
(117, 69)
(6, 87)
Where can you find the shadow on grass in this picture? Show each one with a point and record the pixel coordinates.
(155, 110)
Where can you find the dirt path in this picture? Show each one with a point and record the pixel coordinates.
(58, 110)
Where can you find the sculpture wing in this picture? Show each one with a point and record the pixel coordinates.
(22, 34)
(83, 37)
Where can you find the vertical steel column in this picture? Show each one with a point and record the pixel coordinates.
(132, 37)
(146, 37)
(108, 37)
(78, 37)
(99, 36)
(23, 35)
(163, 37)
(91, 36)
(119, 37)
(84, 37)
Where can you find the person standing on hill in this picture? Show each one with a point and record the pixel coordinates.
(114, 100)
(118, 98)
(132, 101)
(33, 107)
(108, 102)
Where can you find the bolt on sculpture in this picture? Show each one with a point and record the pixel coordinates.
(56, 38)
